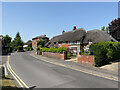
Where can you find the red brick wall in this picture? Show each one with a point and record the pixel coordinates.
(34, 46)
(54, 55)
(87, 59)
(64, 45)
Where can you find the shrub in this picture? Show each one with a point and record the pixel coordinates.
(45, 49)
(37, 48)
(54, 50)
(61, 49)
(105, 52)
(20, 47)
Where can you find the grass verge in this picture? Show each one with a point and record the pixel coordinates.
(8, 83)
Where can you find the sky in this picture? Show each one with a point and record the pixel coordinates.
(32, 19)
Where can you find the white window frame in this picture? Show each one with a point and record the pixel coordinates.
(63, 42)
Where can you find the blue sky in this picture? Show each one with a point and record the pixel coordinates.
(33, 19)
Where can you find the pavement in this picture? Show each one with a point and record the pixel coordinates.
(102, 72)
(112, 67)
(43, 72)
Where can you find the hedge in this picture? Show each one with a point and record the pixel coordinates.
(105, 52)
(55, 50)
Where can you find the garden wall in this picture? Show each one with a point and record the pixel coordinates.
(87, 59)
(55, 55)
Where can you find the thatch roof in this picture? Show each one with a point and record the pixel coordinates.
(70, 36)
(41, 36)
(96, 36)
(78, 34)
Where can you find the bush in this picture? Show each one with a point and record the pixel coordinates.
(55, 50)
(61, 49)
(37, 48)
(105, 52)
(20, 47)
(28, 48)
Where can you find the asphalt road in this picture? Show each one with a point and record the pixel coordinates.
(40, 74)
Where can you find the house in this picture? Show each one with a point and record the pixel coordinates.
(79, 37)
(34, 40)
(71, 39)
(96, 36)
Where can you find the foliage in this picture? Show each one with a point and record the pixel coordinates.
(114, 29)
(103, 28)
(17, 42)
(55, 50)
(6, 40)
(107, 30)
(105, 52)
(61, 49)
(39, 48)
(84, 52)
(20, 47)
(40, 42)
(28, 48)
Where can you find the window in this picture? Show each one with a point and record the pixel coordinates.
(74, 43)
(74, 49)
(69, 43)
(78, 42)
(63, 42)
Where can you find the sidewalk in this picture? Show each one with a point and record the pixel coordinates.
(80, 67)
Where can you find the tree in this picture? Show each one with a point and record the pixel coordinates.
(18, 35)
(17, 42)
(103, 28)
(114, 29)
(6, 40)
(107, 30)
(41, 42)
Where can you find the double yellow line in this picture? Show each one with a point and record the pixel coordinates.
(17, 78)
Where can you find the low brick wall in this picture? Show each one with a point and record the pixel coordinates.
(87, 59)
(55, 55)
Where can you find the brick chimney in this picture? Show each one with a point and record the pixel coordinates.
(45, 35)
(74, 27)
(63, 32)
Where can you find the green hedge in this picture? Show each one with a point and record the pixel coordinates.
(105, 52)
(28, 48)
(55, 50)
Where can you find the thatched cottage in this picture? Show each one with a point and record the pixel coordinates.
(77, 37)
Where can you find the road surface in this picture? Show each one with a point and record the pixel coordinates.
(39, 74)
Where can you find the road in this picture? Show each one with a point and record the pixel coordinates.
(40, 74)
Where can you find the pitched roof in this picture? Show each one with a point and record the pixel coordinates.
(41, 36)
(78, 34)
(96, 36)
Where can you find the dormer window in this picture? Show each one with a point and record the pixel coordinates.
(90, 41)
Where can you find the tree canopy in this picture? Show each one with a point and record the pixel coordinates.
(114, 29)
(17, 42)
(6, 40)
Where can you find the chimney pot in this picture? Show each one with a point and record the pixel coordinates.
(63, 32)
(44, 34)
(74, 27)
